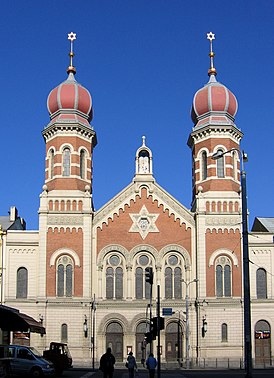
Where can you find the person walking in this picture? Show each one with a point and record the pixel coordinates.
(151, 365)
(107, 362)
(131, 365)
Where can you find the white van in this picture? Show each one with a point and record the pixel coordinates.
(27, 361)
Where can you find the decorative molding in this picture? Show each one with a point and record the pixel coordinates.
(220, 252)
(61, 220)
(64, 251)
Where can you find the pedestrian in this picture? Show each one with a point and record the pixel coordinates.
(151, 365)
(131, 365)
(107, 362)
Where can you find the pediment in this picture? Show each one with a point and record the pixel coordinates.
(133, 192)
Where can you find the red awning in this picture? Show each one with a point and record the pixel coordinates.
(13, 320)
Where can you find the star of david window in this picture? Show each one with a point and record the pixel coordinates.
(144, 222)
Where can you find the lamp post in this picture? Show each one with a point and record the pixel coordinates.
(93, 310)
(246, 277)
(187, 319)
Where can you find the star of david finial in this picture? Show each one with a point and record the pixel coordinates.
(210, 36)
(71, 38)
(212, 70)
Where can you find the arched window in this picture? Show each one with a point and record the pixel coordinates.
(64, 276)
(66, 161)
(261, 285)
(82, 164)
(224, 332)
(114, 277)
(204, 165)
(142, 288)
(22, 283)
(173, 278)
(64, 333)
(220, 165)
(51, 163)
(223, 277)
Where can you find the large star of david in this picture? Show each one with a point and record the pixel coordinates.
(143, 222)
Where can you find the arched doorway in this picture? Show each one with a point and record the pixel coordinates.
(174, 344)
(262, 343)
(114, 339)
(140, 334)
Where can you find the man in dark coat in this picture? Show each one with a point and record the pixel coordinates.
(107, 362)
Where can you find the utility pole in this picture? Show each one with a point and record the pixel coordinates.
(158, 334)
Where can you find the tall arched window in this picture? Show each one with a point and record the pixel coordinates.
(114, 277)
(204, 165)
(22, 283)
(173, 277)
(142, 288)
(66, 161)
(220, 164)
(223, 277)
(261, 285)
(51, 163)
(82, 164)
(64, 333)
(235, 164)
(224, 332)
(64, 276)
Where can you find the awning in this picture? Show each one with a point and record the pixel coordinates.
(13, 320)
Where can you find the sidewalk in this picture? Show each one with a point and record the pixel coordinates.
(143, 373)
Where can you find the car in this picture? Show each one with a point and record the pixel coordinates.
(25, 361)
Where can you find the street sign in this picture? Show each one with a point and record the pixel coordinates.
(167, 311)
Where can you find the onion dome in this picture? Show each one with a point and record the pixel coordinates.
(70, 100)
(214, 103)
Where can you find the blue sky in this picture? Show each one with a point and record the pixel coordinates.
(142, 61)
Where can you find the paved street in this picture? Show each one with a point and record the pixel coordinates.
(122, 373)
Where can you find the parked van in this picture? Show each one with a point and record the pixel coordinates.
(27, 361)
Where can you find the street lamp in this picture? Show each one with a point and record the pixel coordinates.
(246, 277)
(187, 319)
(93, 310)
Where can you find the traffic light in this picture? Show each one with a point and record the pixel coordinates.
(148, 337)
(149, 275)
(154, 325)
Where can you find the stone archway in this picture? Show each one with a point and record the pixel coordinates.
(114, 339)
(262, 343)
(174, 342)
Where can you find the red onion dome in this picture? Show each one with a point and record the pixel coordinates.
(214, 100)
(70, 98)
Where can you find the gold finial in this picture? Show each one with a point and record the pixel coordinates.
(212, 69)
(71, 37)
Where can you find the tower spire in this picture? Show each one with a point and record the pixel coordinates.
(212, 69)
(71, 68)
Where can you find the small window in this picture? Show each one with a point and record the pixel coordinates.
(64, 333)
(224, 332)
(82, 164)
(204, 165)
(51, 163)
